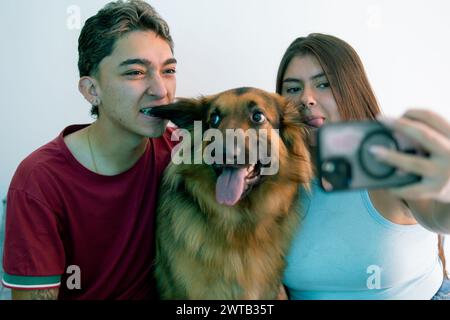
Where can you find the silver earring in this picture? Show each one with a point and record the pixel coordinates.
(95, 102)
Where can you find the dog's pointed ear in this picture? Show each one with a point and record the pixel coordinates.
(183, 112)
(293, 131)
(295, 136)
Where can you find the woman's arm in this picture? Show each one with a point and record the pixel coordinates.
(429, 199)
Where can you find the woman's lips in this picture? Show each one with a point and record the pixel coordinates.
(315, 122)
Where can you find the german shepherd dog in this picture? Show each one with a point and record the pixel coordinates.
(224, 228)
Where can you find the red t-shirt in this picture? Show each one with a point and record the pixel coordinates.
(60, 214)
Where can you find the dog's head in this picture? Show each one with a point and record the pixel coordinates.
(249, 135)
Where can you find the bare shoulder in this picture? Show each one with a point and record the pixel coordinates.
(43, 294)
(391, 208)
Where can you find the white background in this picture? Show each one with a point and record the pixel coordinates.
(220, 44)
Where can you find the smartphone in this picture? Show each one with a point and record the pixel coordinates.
(344, 161)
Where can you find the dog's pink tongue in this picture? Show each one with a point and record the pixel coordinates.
(230, 185)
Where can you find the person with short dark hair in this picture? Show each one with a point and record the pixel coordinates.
(83, 205)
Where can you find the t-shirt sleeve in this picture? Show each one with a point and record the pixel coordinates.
(33, 252)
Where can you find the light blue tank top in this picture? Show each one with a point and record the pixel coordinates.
(345, 249)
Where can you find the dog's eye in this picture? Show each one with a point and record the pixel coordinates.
(215, 120)
(258, 117)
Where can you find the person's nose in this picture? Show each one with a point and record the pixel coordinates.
(308, 98)
(157, 87)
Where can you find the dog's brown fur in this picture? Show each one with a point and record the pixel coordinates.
(207, 250)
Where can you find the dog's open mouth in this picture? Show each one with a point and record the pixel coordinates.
(235, 182)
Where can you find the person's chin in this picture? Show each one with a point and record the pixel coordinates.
(157, 129)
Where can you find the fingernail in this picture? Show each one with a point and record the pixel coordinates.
(377, 151)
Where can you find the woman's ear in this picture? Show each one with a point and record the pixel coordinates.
(88, 87)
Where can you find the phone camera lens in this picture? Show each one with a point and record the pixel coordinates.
(369, 164)
(328, 167)
(337, 173)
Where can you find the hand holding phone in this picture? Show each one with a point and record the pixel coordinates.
(344, 159)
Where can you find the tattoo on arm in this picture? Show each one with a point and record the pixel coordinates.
(47, 294)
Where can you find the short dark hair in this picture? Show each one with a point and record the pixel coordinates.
(101, 31)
